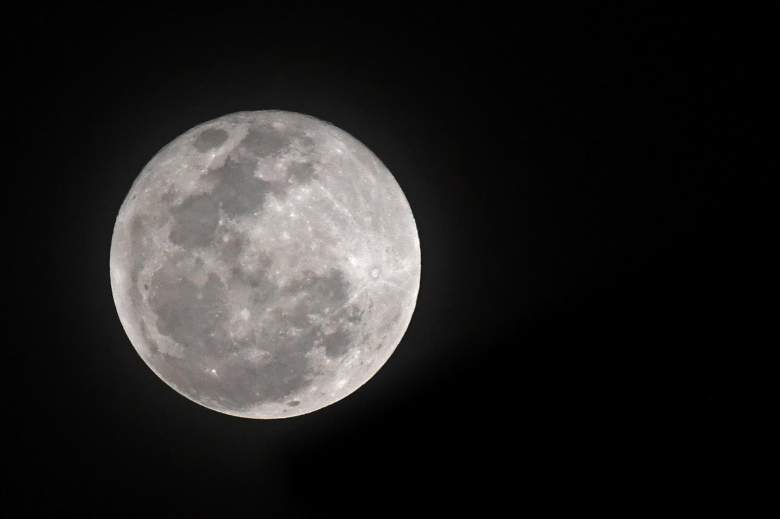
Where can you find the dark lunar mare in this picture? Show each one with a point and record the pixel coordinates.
(210, 139)
(194, 222)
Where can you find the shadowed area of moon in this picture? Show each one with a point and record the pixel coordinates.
(265, 264)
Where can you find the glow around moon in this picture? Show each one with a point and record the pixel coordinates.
(265, 264)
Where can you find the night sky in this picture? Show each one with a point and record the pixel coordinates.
(591, 190)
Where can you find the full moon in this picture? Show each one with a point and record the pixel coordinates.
(265, 264)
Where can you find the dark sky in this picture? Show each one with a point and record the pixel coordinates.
(591, 188)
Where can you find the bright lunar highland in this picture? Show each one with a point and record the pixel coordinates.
(265, 264)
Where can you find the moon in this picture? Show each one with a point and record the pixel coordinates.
(265, 264)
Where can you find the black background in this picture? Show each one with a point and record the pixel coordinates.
(591, 189)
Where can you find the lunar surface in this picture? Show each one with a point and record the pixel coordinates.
(265, 264)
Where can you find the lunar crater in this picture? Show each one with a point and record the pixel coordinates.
(265, 264)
